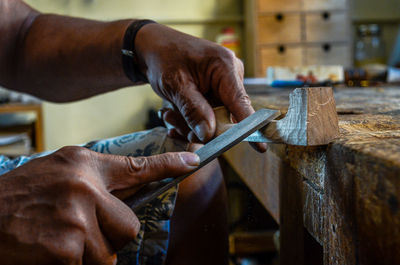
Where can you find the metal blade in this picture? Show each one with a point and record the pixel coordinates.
(207, 153)
(257, 137)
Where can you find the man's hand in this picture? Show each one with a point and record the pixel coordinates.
(192, 73)
(58, 209)
(195, 75)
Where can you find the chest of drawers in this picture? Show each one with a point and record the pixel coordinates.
(295, 33)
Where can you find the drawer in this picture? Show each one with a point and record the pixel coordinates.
(280, 55)
(327, 27)
(279, 28)
(312, 5)
(278, 5)
(329, 54)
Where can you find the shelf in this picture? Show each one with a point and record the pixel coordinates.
(38, 124)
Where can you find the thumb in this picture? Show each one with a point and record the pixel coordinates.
(196, 111)
(122, 172)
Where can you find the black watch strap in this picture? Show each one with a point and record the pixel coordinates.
(129, 56)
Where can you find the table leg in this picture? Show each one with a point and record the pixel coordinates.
(296, 245)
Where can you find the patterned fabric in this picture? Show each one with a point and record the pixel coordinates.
(150, 247)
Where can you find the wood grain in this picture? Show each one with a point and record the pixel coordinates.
(272, 56)
(334, 28)
(337, 54)
(273, 30)
(310, 120)
(278, 5)
(350, 190)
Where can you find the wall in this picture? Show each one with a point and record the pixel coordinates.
(376, 9)
(125, 110)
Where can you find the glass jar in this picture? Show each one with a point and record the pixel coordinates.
(370, 49)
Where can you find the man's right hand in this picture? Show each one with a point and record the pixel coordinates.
(58, 209)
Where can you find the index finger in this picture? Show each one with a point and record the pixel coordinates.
(233, 95)
(232, 92)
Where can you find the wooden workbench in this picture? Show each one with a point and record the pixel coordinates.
(345, 195)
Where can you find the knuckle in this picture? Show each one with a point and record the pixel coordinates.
(72, 170)
(243, 100)
(70, 154)
(227, 56)
(220, 55)
(78, 184)
(136, 164)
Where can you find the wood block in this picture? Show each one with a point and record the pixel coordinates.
(311, 119)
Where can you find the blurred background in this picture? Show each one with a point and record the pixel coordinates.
(281, 42)
(263, 33)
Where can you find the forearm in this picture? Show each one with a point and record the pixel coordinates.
(64, 58)
(59, 58)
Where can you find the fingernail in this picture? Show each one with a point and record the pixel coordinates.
(201, 130)
(190, 159)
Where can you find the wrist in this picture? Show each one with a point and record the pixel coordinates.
(132, 61)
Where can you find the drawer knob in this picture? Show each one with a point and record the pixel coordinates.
(281, 49)
(326, 47)
(326, 15)
(279, 17)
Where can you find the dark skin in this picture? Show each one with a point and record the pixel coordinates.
(65, 208)
(59, 209)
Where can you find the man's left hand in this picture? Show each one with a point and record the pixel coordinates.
(194, 75)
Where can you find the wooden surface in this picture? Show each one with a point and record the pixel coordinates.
(310, 120)
(35, 108)
(350, 189)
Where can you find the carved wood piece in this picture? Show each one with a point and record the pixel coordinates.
(310, 120)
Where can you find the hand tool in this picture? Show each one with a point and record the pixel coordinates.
(311, 120)
(207, 153)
